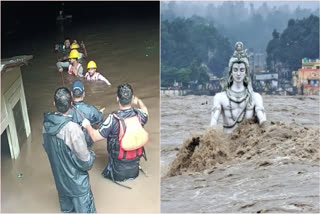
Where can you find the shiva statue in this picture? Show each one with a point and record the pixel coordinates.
(237, 101)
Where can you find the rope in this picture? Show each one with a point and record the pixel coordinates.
(83, 117)
(62, 79)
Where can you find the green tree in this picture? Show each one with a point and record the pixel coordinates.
(168, 75)
(188, 43)
(299, 40)
(203, 75)
(273, 51)
(183, 76)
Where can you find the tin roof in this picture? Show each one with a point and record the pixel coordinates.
(15, 61)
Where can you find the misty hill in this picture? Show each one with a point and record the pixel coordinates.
(191, 47)
(299, 40)
(252, 23)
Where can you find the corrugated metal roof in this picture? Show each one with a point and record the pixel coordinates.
(15, 61)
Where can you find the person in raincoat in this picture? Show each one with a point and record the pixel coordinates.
(81, 110)
(69, 157)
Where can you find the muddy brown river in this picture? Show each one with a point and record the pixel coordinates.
(125, 51)
(251, 170)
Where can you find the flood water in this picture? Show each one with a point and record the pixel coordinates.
(251, 170)
(125, 50)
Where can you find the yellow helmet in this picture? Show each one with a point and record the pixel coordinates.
(74, 46)
(91, 64)
(74, 54)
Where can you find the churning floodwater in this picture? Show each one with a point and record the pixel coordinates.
(275, 169)
(125, 50)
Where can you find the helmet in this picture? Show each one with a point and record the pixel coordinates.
(74, 46)
(91, 64)
(74, 54)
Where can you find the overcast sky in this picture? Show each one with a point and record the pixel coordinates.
(292, 4)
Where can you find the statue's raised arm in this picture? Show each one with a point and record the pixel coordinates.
(237, 101)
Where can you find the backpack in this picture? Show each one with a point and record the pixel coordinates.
(132, 137)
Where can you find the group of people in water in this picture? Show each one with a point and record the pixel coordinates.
(71, 57)
(70, 132)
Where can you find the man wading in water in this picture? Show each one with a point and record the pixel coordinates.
(121, 127)
(75, 66)
(238, 101)
(62, 54)
(69, 157)
(83, 110)
(81, 49)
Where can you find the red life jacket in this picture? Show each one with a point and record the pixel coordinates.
(70, 68)
(132, 137)
(95, 76)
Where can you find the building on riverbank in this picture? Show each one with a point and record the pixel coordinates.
(306, 79)
(15, 126)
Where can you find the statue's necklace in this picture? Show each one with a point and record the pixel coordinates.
(237, 97)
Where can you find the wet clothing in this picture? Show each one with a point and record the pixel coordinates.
(70, 160)
(62, 48)
(90, 112)
(82, 204)
(119, 170)
(63, 52)
(96, 76)
(63, 65)
(78, 67)
(81, 58)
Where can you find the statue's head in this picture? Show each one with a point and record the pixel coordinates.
(238, 66)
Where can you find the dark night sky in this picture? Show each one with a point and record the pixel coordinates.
(21, 21)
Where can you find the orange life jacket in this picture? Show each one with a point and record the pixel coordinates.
(70, 68)
(132, 137)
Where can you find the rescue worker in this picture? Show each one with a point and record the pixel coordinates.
(122, 165)
(82, 53)
(75, 66)
(81, 110)
(69, 157)
(93, 75)
(62, 55)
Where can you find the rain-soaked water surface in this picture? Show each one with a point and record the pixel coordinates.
(275, 169)
(125, 51)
